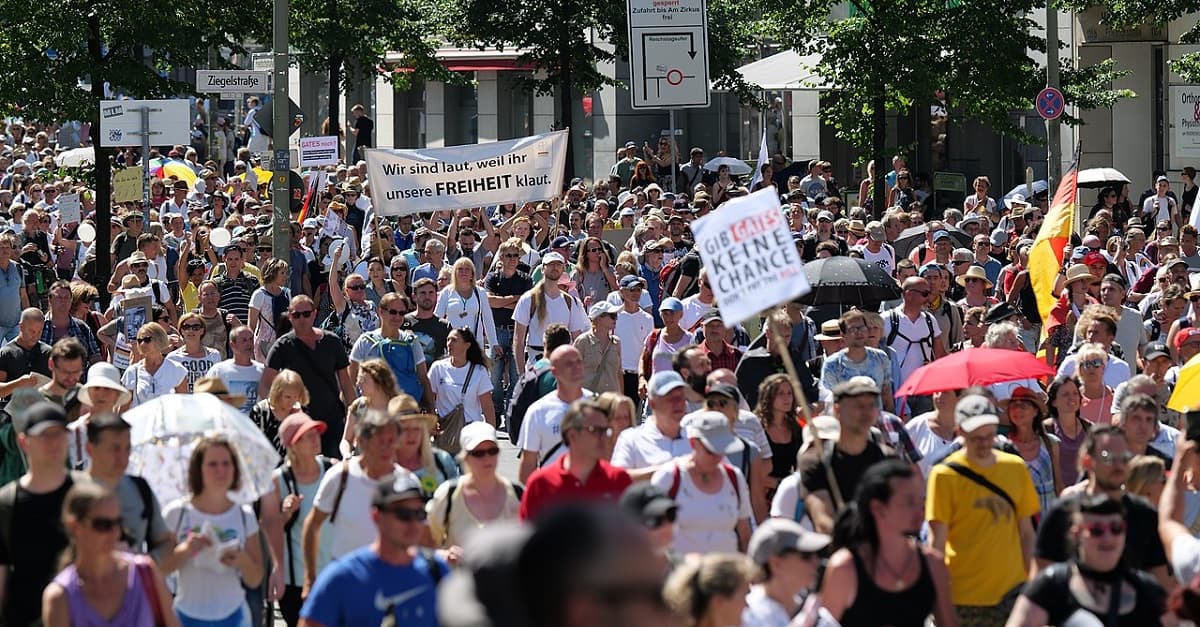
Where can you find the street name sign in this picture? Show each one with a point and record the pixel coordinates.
(231, 81)
(668, 53)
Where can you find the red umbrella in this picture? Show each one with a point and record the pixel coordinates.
(974, 366)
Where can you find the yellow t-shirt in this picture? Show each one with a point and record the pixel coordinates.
(983, 543)
(248, 268)
(189, 295)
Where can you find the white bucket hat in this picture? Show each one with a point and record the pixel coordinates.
(104, 375)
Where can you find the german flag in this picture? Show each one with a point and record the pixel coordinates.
(316, 185)
(1046, 256)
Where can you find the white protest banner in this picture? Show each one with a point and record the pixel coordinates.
(475, 175)
(68, 209)
(315, 151)
(747, 248)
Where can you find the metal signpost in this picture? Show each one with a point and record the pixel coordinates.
(668, 58)
(168, 121)
(281, 230)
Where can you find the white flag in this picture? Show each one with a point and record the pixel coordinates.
(762, 159)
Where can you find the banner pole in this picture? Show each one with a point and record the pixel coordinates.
(794, 378)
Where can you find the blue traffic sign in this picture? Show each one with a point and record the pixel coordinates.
(1050, 103)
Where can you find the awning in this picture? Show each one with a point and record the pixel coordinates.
(785, 71)
(468, 60)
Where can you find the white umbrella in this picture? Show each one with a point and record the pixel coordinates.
(1100, 177)
(166, 429)
(737, 167)
(76, 157)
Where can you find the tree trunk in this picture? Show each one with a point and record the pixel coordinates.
(335, 111)
(878, 144)
(103, 169)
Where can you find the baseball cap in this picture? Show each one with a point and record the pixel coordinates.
(999, 312)
(712, 428)
(1079, 252)
(1184, 335)
(974, 411)
(709, 316)
(1093, 258)
(630, 145)
(553, 258)
(777, 535)
(628, 212)
(562, 241)
(40, 416)
(297, 425)
(631, 280)
(646, 502)
(402, 485)
(723, 389)
(603, 308)
(671, 304)
(1162, 179)
(940, 235)
(662, 383)
(476, 433)
(875, 231)
(962, 254)
(1154, 350)
(825, 215)
(855, 386)
(999, 237)
(824, 428)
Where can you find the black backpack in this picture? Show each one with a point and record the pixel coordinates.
(524, 393)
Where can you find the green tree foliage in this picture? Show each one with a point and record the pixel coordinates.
(350, 39)
(893, 55)
(1132, 14)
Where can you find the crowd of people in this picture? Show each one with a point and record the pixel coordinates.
(670, 470)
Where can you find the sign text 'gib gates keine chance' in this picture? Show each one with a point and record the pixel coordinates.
(752, 262)
(475, 175)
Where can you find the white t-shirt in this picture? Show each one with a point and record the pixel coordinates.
(1160, 207)
(239, 380)
(556, 311)
(353, 528)
(885, 258)
(763, 611)
(632, 328)
(207, 589)
(196, 367)
(911, 352)
(540, 431)
(693, 310)
(788, 497)
(931, 445)
(146, 386)
(705, 523)
(466, 312)
(447, 384)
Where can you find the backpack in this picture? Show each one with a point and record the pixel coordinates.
(279, 306)
(524, 393)
(894, 317)
(148, 502)
(648, 353)
(289, 483)
(671, 273)
(398, 354)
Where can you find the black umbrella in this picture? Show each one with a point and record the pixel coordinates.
(914, 236)
(848, 281)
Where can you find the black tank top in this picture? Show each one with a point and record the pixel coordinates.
(874, 606)
(783, 456)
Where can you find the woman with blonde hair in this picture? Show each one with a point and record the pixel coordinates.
(1147, 477)
(621, 415)
(479, 497)
(377, 387)
(194, 356)
(102, 585)
(153, 375)
(710, 590)
(463, 303)
(414, 448)
(213, 573)
(288, 394)
(1095, 395)
(356, 314)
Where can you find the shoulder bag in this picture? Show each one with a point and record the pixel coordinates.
(450, 426)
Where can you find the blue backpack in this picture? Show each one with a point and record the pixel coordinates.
(398, 353)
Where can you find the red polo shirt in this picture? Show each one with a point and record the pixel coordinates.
(553, 485)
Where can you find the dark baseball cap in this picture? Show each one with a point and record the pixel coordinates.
(39, 417)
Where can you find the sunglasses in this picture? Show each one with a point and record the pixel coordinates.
(668, 517)
(191, 327)
(1107, 457)
(144, 340)
(407, 514)
(263, 249)
(972, 280)
(598, 430)
(357, 287)
(595, 250)
(394, 312)
(104, 525)
(487, 452)
(1092, 363)
(1099, 530)
(301, 314)
(1195, 299)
